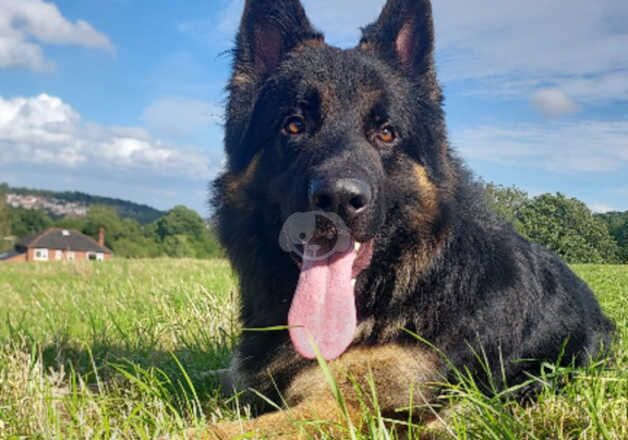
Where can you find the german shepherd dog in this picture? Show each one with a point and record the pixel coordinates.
(327, 145)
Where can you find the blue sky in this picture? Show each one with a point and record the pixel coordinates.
(124, 98)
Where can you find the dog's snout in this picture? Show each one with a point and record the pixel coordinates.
(347, 197)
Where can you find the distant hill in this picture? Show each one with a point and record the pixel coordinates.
(75, 204)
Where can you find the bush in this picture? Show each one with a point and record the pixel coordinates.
(617, 223)
(505, 201)
(184, 233)
(564, 225)
(567, 227)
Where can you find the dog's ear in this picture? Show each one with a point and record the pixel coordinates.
(403, 36)
(268, 31)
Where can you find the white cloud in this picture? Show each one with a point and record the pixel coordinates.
(27, 24)
(583, 146)
(609, 86)
(553, 103)
(180, 116)
(517, 47)
(44, 130)
(340, 20)
(532, 37)
(601, 208)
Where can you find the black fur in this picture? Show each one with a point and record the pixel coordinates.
(444, 267)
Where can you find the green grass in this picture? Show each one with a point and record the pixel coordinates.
(122, 350)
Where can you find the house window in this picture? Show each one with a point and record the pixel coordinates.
(58, 255)
(41, 254)
(71, 256)
(95, 256)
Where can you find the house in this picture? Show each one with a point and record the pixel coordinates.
(59, 245)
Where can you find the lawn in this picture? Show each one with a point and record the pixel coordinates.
(122, 350)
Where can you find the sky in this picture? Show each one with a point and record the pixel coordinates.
(124, 98)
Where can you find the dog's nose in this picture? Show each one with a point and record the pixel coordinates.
(346, 197)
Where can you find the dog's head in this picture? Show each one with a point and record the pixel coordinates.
(357, 133)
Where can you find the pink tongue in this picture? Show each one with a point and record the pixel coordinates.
(323, 309)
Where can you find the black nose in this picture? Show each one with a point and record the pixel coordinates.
(347, 197)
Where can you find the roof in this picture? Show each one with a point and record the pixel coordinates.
(8, 255)
(63, 239)
(27, 239)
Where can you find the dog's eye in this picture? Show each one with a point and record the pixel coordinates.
(294, 125)
(386, 134)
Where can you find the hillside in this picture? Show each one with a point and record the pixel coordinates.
(75, 204)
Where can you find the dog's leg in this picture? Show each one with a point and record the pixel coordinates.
(400, 376)
(224, 378)
(301, 422)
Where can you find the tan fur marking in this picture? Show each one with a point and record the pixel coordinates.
(236, 184)
(241, 79)
(366, 46)
(364, 328)
(313, 42)
(428, 191)
(396, 372)
(417, 260)
(392, 367)
(328, 95)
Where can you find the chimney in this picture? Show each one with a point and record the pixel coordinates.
(101, 237)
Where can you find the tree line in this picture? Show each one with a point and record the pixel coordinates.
(564, 225)
(180, 232)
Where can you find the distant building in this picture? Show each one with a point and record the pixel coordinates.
(59, 245)
(53, 206)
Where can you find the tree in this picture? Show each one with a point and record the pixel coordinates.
(617, 223)
(505, 201)
(28, 221)
(124, 236)
(5, 224)
(567, 226)
(184, 233)
(179, 246)
(107, 218)
(71, 223)
(181, 221)
(138, 247)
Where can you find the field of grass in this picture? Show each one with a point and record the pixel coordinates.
(122, 350)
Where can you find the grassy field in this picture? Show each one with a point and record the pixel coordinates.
(122, 350)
